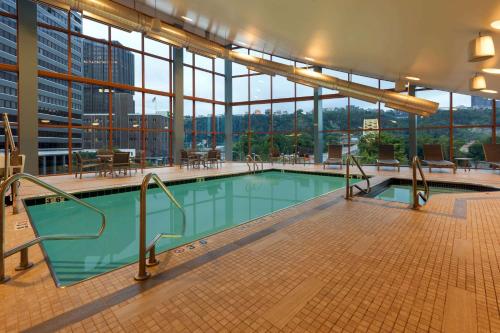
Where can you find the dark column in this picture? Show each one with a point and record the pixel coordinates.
(27, 86)
(178, 90)
(228, 121)
(318, 123)
(412, 127)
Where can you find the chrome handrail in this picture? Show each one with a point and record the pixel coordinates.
(349, 188)
(23, 248)
(416, 165)
(142, 274)
(254, 159)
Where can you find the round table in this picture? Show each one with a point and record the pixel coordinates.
(465, 161)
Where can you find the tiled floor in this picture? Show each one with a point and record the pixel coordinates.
(327, 265)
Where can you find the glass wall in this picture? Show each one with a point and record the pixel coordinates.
(100, 89)
(204, 97)
(270, 113)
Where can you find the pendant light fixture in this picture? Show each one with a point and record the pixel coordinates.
(477, 83)
(481, 48)
(155, 23)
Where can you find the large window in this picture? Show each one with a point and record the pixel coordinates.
(100, 89)
(204, 102)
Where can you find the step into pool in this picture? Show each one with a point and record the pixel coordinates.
(400, 190)
(211, 205)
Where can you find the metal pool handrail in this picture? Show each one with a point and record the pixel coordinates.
(254, 159)
(416, 165)
(142, 274)
(348, 187)
(23, 248)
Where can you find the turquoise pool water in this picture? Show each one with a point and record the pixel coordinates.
(211, 206)
(403, 193)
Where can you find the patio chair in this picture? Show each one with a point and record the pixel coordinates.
(434, 158)
(219, 157)
(334, 156)
(386, 156)
(120, 162)
(187, 159)
(274, 155)
(135, 162)
(492, 154)
(212, 158)
(302, 155)
(86, 164)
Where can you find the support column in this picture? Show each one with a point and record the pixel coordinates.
(318, 123)
(178, 90)
(228, 113)
(412, 127)
(27, 86)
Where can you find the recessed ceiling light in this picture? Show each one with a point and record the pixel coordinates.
(491, 70)
(309, 58)
(495, 24)
(185, 18)
(489, 91)
(412, 78)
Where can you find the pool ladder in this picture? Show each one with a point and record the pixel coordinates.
(416, 165)
(253, 161)
(150, 248)
(13, 182)
(349, 192)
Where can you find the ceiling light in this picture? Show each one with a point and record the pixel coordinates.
(309, 58)
(185, 18)
(495, 24)
(491, 70)
(477, 82)
(489, 91)
(481, 48)
(412, 78)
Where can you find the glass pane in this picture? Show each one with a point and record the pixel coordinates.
(188, 123)
(467, 142)
(131, 39)
(203, 62)
(203, 112)
(391, 118)
(188, 81)
(260, 118)
(157, 48)
(282, 88)
(188, 57)
(442, 116)
(240, 118)
(472, 110)
(95, 57)
(53, 101)
(203, 84)
(260, 87)
(220, 66)
(335, 114)
(220, 88)
(53, 150)
(364, 115)
(8, 43)
(283, 117)
(220, 118)
(127, 67)
(157, 74)
(95, 29)
(157, 148)
(304, 90)
(240, 89)
(51, 15)
(364, 80)
(52, 50)
(8, 6)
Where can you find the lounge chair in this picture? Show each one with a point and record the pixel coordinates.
(187, 159)
(302, 154)
(386, 157)
(334, 156)
(492, 154)
(86, 164)
(212, 158)
(434, 158)
(120, 162)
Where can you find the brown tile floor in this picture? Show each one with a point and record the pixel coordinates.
(328, 265)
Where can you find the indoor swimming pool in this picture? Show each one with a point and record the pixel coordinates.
(211, 206)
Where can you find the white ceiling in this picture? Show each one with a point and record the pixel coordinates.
(382, 38)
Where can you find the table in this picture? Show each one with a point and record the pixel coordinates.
(103, 160)
(465, 161)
